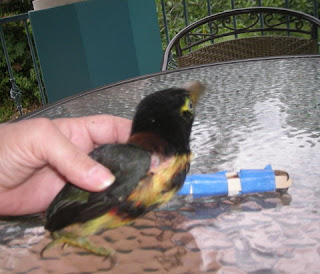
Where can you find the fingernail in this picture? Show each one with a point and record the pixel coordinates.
(101, 177)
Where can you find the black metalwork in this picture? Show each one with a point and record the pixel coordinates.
(165, 21)
(34, 60)
(15, 92)
(255, 21)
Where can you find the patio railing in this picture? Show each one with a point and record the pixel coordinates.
(15, 92)
(168, 13)
(173, 16)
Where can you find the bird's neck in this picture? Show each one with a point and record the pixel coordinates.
(150, 142)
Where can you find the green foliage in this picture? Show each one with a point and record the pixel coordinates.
(6, 111)
(21, 62)
(15, 7)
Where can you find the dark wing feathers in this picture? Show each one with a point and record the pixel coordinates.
(73, 205)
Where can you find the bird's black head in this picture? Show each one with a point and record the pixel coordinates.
(169, 115)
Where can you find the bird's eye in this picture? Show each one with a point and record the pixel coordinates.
(190, 105)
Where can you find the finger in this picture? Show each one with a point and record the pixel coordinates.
(33, 196)
(108, 129)
(97, 129)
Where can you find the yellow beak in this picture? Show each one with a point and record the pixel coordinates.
(196, 89)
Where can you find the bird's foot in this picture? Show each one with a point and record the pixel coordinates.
(69, 238)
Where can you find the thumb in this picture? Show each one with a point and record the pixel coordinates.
(74, 164)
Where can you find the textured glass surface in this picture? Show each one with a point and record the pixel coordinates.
(253, 113)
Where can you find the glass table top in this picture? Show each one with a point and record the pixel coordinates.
(253, 113)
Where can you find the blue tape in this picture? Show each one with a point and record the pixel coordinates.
(216, 184)
(258, 180)
(201, 185)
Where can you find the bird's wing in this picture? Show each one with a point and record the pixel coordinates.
(128, 163)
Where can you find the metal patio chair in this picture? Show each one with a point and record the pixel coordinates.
(243, 34)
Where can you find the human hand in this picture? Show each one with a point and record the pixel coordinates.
(38, 156)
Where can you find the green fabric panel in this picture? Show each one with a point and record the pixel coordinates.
(61, 52)
(93, 43)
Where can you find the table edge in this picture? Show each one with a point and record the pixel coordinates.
(138, 78)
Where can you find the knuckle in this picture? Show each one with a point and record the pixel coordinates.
(43, 123)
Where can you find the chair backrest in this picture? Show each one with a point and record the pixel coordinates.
(241, 34)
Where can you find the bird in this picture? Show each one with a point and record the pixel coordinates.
(149, 169)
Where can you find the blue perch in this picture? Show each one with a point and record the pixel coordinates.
(237, 183)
